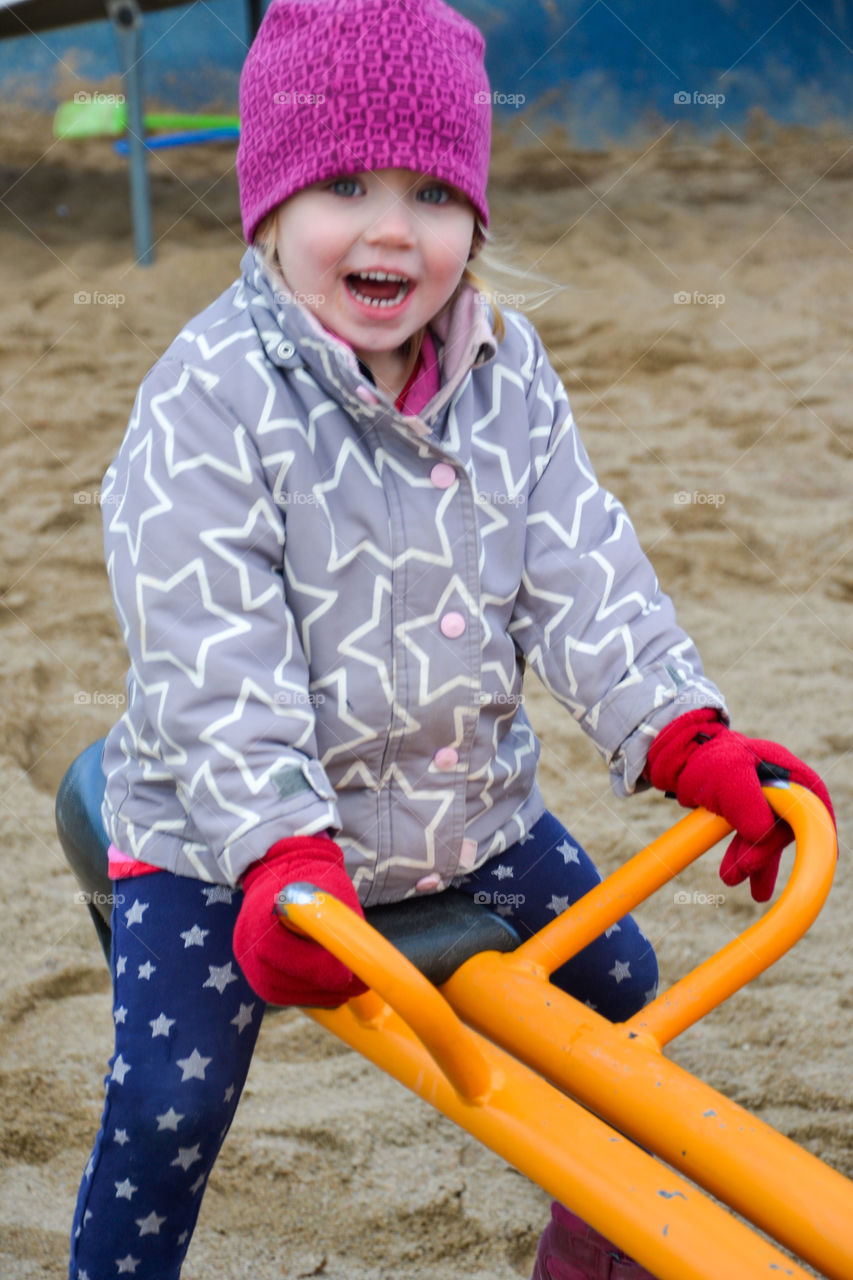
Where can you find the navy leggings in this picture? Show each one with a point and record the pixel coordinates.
(186, 1022)
(541, 876)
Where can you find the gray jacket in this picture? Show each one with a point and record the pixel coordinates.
(329, 606)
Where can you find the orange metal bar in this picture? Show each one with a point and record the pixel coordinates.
(380, 965)
(767, 939)
(667, 1224)
(624, 1078)
(735, 965)
(622, 890)
(617, 1072)
(620, 1073)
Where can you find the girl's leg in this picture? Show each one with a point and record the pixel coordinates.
(617, 974)
(186, 1022)
(540, 877)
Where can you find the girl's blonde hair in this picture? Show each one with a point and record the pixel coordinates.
(480, 283)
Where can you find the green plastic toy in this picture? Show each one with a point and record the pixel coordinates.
(101, 117)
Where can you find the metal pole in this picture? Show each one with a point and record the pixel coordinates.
(254, 9)
(127, 23)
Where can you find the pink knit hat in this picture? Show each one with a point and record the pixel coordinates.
(332, 87)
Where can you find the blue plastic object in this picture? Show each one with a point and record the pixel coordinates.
(187, 138)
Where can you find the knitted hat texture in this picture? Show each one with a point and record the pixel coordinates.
(334, 87)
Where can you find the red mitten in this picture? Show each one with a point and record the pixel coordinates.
(703, 762)
(280, 966)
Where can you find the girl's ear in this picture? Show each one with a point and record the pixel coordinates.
(477, 241)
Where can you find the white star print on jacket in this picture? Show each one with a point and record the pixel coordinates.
(329, 606)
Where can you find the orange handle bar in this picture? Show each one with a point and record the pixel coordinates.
(393, 978)
(449, 1041)
(521, 1109)
(746, 956)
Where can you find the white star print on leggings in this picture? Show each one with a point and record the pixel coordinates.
(186, 1023)
(541, 876)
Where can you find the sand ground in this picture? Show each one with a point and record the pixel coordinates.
(722, 420)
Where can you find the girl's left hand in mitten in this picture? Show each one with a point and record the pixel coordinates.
(703, 762)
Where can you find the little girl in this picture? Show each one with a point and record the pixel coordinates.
(350, 508)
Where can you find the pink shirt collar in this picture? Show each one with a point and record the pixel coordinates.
(424, 382)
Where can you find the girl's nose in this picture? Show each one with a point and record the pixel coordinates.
(393, 224)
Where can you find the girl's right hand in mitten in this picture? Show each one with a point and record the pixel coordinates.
(281, 967)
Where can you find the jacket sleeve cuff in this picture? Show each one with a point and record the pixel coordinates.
(629, 759)
(307, 807)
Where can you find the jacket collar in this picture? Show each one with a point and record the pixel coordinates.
(293, 338)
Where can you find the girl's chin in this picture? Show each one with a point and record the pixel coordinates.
(378, 347)
(372, 339)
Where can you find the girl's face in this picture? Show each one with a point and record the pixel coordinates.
(376, 255)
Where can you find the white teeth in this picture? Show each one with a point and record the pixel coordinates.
(381, 275)
(382, 302)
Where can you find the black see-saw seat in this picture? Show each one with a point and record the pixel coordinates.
(436, 933)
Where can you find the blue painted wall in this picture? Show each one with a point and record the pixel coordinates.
(607, 67)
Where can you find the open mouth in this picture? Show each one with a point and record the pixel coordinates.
(378, 288)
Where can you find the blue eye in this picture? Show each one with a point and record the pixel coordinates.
(436, 194)
(345, 187)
